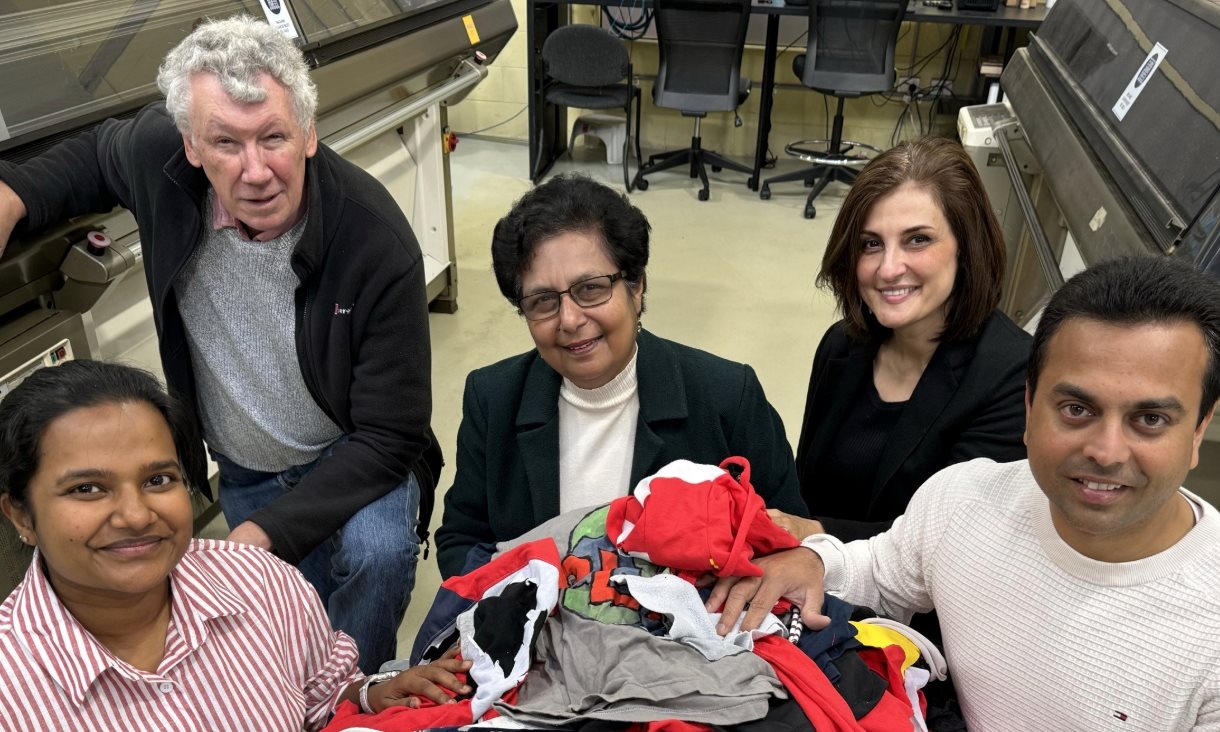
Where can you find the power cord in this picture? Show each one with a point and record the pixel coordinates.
(492, 127)
(629, 29)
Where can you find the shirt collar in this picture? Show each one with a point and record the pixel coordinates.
(222, 219)
(73, 658)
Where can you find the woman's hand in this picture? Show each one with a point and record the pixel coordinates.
(427, 680)
(795, 525)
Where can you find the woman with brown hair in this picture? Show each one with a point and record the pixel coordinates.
(922, 371)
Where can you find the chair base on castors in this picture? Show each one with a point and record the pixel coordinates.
(828, 167)
(696, 156)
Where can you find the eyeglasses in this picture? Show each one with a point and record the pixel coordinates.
(586, 293)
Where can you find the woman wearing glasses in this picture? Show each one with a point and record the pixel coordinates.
(599, 403)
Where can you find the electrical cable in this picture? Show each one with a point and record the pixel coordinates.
(937, 90)
(920, 64)
(492, 127)
(629, 29)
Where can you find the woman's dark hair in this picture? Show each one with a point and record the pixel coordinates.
(1137, 291)
(941, 167)
(565, 204)
(49, 393)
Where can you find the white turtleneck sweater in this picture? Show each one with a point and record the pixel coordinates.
(1038, 636)
(597, 440)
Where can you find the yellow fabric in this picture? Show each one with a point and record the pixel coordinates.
(878, 636)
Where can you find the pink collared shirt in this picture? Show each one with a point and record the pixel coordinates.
(222, 219)
(248, 647)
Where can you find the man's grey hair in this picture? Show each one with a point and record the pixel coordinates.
(237, 50)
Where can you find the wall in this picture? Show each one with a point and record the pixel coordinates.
(798, 112)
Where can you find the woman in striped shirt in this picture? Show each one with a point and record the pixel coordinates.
(123, 621)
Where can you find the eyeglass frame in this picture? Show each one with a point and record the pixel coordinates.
(620, 275)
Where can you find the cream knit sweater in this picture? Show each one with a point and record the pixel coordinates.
(1037, 636)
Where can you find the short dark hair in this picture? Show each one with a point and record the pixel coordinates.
(49, 393)
(565, 204)
(1137, 291)
(941, 167)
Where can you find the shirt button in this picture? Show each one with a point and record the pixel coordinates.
(166, 687)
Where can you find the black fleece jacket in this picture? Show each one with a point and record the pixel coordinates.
(361, 308)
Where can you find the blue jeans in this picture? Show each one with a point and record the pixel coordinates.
(364, 573)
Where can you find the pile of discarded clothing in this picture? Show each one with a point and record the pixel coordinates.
(594, 621)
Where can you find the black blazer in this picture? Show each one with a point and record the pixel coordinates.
(970, 402)
(693, 405)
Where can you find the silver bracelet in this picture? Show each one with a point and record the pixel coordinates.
(376, 678)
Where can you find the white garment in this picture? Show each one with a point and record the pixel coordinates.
(690, 622)
(913, 680)
(597, 440)
(490, 680)
(1038, 636)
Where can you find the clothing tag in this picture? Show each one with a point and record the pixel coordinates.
(471, 32)
(1139, 81)
(279, 17)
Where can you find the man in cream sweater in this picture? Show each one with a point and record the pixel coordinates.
(1079, 589)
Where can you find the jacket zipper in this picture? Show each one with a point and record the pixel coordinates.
(305, 360)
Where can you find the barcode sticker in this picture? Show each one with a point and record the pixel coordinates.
(1140, 81)
(279, 17)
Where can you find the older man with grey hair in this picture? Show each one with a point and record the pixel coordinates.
(288, 293)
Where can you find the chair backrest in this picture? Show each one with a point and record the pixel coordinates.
(701, 42)
(851, 45)
(584, 55)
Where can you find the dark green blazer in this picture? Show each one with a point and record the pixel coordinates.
(693, 405)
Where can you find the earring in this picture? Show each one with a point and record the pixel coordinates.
(23, 539)
(639, 325)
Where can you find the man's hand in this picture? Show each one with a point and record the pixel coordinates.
(796, 575)
(248, 532)
(405, 689)
(12, 210)
(795, 525)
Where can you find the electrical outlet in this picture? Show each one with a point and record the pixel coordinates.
(905, 85)
(941, 88)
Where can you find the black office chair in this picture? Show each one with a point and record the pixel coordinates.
(850, 53)
(584, 65)
(701, 42)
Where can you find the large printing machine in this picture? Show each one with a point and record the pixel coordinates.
(385, 69)
(1112, 148)
(1115, 145)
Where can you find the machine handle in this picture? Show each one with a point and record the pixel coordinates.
(469, 73)
(1042, 247)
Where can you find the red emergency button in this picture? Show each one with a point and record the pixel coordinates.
(97, 243)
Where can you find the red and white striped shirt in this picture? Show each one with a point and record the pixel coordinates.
(249, 647)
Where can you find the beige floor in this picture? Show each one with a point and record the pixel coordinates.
(733, 275)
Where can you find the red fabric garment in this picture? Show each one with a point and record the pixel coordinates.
(536, 561)
(475, 585)
(807, 684)
(405, 719)
(669, 725)
(894, 710)
(691, 517)
(402, 719)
